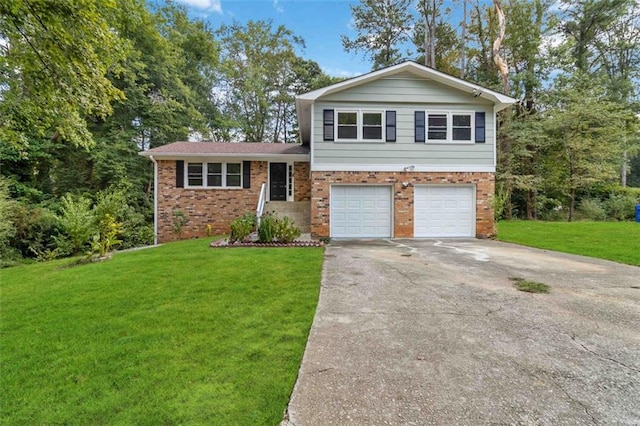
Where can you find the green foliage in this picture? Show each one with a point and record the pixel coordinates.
(35, 229)
(591, 209)
(267, 227)
(120, 341)
(382, 27)
(242, 227)
(286, 231)
(53, 68)
(78, 221)
(621, 206)
(180, 220)
(7, 230)
(108, 231)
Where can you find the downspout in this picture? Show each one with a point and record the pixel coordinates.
(155, 200)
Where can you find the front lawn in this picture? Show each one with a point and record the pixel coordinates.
(617, 241)
(179, 334)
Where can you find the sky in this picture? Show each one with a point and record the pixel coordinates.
(319, 22)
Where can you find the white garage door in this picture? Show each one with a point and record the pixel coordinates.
(360, 211)
(444, 211)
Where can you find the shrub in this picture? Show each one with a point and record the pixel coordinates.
(107, 237)
(78, 222)
(7, 229)
(286, 230)
(35, 229)
(242, 227)
(267, 227)
(591, 209)
(180, 220)
(621, 206)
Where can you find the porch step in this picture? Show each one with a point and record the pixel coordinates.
(298, 211)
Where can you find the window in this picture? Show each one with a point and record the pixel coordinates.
(358, 125)
(437, 130)
(372, 125)
(234, 174)
(218, 175)
(347, 125)
(461, 127)
(194, 174)
(214, 174)
(445, 126)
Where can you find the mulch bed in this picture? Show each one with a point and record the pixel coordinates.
(226, 244)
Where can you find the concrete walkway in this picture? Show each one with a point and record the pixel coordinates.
(433, 332)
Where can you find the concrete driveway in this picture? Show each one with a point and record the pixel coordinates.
(433, 332)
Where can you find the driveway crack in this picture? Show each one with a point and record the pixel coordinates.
(594, 353)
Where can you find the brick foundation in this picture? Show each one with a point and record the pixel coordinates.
(211, 206)
(402, 197)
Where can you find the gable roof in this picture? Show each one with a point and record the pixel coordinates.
(249, 150)
(305, 100)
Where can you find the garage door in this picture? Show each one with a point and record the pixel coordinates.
(444, 211)
(360, 211)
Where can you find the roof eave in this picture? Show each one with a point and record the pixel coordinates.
(247, 156)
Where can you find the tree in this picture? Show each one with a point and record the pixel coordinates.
(54, 62)
(382, 26)
(585, 131)
(257, 69)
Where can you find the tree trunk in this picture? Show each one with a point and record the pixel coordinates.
(463, 38)
(502, 65)
(572, 203)
(623, 170)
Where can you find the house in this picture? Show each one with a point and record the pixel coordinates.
(404, 152)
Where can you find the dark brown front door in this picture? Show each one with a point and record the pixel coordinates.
(278, 181)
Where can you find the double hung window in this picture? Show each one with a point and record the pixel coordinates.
(214, 175)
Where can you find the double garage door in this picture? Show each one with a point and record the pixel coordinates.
(365, 211)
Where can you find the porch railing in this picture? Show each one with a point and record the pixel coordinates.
(261, 201)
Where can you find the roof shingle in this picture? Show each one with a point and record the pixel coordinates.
(212, 148)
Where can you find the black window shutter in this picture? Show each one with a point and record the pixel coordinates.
(480, 127)
(391, 126)
(179, 174)
(419, 126)
(327, 121)
(246, 174)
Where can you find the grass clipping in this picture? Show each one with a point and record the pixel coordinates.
(529, 286)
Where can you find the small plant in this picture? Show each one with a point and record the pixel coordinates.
(286, 231)
(180, 220)
(107, 237)
(529, 286)
(242, 227)
(267, 227)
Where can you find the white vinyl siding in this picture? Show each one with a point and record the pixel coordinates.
(444, 211)
(360, 211)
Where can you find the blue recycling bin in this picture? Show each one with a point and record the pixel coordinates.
(638, 213)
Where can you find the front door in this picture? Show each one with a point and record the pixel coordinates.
(278, 181)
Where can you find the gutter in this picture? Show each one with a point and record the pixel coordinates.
(155, 200)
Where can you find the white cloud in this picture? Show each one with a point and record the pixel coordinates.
(339, 72)
(277, 6)
(206, 5)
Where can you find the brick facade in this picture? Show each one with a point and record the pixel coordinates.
(214, 206)
(402, 197)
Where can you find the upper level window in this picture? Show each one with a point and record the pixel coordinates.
(449, 126)
(372, 125)
(217, 175)
(359, 125)
(347, 125)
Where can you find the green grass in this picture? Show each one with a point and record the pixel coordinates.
(179, 334)
(530, 286)
(617, 241)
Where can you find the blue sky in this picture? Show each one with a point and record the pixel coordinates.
(319, 22)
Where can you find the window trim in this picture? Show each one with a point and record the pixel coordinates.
(205, 175)
(360, 125)
(449, 114)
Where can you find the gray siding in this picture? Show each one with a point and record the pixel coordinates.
(404, 150)
(402, 89)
